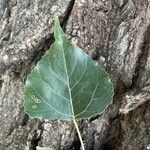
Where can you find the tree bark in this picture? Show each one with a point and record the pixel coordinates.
(116, 33)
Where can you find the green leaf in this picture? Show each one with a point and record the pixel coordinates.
(43, 148)
(66, 83)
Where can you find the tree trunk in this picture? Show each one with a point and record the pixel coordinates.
(114, 32)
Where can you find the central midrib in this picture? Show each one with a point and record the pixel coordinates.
(65, 65)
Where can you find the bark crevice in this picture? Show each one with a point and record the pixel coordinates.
(115, 33)
(141, 61)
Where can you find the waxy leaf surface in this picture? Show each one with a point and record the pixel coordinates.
(66, 83)
(43, 148)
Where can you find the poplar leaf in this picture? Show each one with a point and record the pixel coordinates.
(43, 148)
(66, 83)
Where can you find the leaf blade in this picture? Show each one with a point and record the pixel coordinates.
(43, 148)
(67, 83)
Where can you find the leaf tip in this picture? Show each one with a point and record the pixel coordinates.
(57, 24)
(58, 32)
(56, 19)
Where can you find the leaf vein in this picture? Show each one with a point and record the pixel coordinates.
(48, 103)
(93, 100)
(55, 73)
(89, 102)
(52, 89)
(73, 69)
(80, 77)
(78, 92)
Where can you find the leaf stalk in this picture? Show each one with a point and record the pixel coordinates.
(79, 134)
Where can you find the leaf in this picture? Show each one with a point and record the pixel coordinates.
(66, 83)
(43, 148)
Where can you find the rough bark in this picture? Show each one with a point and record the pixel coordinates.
(115, 33)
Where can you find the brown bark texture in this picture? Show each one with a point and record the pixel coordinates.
(114, 32)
